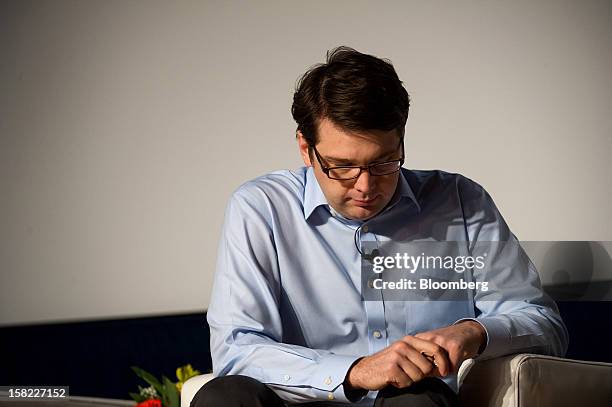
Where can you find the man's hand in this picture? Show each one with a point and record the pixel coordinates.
(462, 341)
(399, 365)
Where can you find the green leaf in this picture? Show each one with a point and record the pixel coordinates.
(149, 378)
(170, 393)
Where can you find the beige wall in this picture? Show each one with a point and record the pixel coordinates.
(126, 125)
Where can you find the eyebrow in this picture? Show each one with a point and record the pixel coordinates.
(346, 161)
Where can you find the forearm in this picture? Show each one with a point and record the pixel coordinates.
(297, 374)
(522, 327)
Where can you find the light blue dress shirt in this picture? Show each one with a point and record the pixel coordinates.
(286, 306)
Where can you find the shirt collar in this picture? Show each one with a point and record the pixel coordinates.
(404, 190)
(314, 197)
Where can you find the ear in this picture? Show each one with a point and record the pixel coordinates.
(304, 150)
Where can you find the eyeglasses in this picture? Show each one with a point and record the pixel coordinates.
(346, 172)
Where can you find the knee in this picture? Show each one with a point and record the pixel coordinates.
(427, 392)
(232, 390)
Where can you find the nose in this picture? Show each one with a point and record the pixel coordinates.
(364, 183)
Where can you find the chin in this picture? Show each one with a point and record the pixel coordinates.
(363, 213)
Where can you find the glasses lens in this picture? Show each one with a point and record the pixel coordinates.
(344, 172)
(386, 168)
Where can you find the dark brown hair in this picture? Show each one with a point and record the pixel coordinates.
(355, 91)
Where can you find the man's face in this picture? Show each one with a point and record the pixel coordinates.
(362, 197)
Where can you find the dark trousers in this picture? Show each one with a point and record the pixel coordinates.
(243, 391)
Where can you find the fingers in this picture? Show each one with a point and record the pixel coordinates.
(405, 362)
(408, 366)
(461, 341)
(412, 362)
(416, 366)
(429, 350)
(452, 344)
(450, 356)
(400, 378)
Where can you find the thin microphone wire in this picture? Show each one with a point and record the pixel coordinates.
(357, 239)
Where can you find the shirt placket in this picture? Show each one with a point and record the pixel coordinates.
(375, 310)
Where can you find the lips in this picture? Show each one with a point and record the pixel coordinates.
(364, 202)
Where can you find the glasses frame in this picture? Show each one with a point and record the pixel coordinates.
(368, 167)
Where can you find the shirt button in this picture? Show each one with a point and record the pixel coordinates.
(365, 229)
(330, 395)
(328, 380)
(377, 334)
(371, 283)
(286, 377)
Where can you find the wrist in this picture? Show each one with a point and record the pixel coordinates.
(350, 380)
(352, 390)
(480, 333)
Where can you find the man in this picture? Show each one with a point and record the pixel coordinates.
(289, 323)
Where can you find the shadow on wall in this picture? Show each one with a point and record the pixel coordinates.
(577, 271)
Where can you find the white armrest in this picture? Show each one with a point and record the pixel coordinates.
(191, 387)
(527, 380)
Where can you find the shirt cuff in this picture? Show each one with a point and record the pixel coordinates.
(330, 376)
(498, 337)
